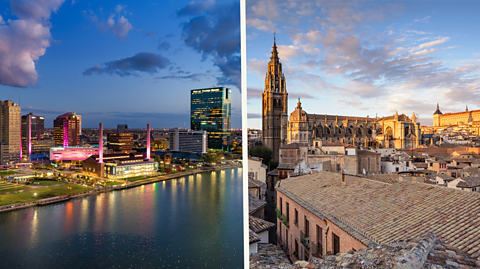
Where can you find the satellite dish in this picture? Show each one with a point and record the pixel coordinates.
(364, 171)
(344, 169)
(404, 167)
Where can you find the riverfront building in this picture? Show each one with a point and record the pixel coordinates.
(67, 130)
(10, 136)
(188, 140)
(73, 153)
(210, 111)
(118, 166)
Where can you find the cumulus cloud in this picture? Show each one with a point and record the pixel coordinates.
(213, 29)
(24, 41)
(116, 23)
(141, 62)
(262, 25)
(197, 77)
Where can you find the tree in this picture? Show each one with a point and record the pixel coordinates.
(209, 158)
(265, 153)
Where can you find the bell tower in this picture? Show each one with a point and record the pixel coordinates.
(274, 105)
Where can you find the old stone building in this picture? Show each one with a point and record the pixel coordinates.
(274, 104)
(397, 131)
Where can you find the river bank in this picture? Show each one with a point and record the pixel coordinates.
(102, 189)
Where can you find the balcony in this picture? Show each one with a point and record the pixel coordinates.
(316, 249)
(282, 245)
(285, 221)
(305, 240)
(279, 214)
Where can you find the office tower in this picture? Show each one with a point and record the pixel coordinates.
(79, 118)
(33, 128)
(10, 136)
(66, 130)
(120, 142)
(187, 140)
(210, 111)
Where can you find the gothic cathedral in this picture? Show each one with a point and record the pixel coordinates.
(274, 105)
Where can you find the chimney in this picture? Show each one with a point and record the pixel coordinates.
(100, 144)
(148, 141)
(343, 177)
(29, 126)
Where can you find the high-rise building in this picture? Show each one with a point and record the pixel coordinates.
(210, 111)
(120, 142)
(33, 128)
(10, 136)
(79, 118)
(188, 140)
(66, 128)
(274, 105)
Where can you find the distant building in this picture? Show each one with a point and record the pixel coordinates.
(10, 136)
(41, 149)
(120, 142)
(210, 111)
(188, 140)
(33, 128)
(66, 130)
(122, 128)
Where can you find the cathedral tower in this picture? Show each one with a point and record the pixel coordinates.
(274, 105)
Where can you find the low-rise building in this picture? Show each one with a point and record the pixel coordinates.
(119, 166)
(188, 140)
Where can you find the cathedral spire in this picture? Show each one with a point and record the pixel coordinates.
(299, 104)
(414, 118)
(466, 108)
(274, 49)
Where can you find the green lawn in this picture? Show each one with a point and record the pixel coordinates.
(29, 196)
(20, 187)
(111, 183)
(47, 183)
(135, 178)
(6, 173)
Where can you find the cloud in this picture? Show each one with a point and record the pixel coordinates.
(287, 52)
(254, 115)
(431, 44)
(254, 93)
(24, 41)
(302, 95)
(262, 25)
(423, 19)
(416, 32)
(192, 77)
(213, 29)
(165, 45)
(141, 62)
(116, 23)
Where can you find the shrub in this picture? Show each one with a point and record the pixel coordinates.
(168, 170)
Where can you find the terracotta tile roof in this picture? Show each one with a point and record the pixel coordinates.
(273, 172)
(445, 177)
(293, 145)
(259, 225)
(269, 256)
(361, 151)
(385, 212)
(462, 160)
(386, 178)
(253, 237)
(469, 182)
(421, 165)
(254, 204)
(252, 183)
(336, 144)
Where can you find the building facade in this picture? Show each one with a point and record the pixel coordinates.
(120, 142)
(210, 111)
(33, 128)
(397, 131)
(274, 105)
(10, 132)
(66, 130)
(188, 140)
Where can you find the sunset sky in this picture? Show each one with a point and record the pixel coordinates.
(131, 62)
(362, 58)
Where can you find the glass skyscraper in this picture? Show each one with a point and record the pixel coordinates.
(210, 111)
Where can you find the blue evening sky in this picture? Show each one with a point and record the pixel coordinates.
(131, 62)
(362, 58)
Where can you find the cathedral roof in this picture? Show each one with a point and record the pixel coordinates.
(298, 114)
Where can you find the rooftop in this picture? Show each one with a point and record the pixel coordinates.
(383, 212)
(254, 204)
(259, 225)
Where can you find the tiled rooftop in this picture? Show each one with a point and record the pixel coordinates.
(253, 237)
(254, 204)
(445, 177)
(268, 256)
(259, 225)
(386, 178)
(469, 182)
(425, 253)
(385, 212)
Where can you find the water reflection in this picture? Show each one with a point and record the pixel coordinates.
(191, 221)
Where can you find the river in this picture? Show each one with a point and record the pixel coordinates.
(189, 222)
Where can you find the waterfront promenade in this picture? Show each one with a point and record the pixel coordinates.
(102, 189)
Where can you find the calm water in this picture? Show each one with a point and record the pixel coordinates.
(190, 222)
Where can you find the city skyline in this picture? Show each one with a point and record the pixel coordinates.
(116, 62)
(366, 58)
